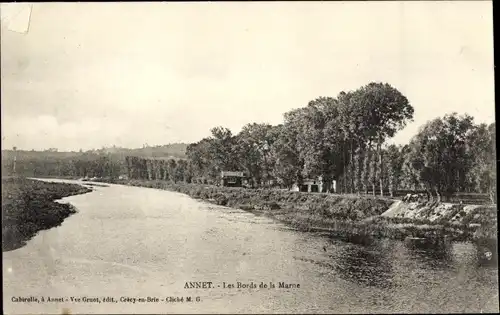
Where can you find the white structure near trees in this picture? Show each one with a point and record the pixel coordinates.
(315, 185)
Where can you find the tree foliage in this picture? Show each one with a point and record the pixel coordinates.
(342, 138)
(449, 154)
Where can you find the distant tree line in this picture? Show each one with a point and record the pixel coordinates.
(341, 138)
(147, 168)
(81, 165)
(105, 162)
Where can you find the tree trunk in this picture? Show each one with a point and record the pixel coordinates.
(157, 170)
(149, 170)
(129, 175)
(144, 170)
(344, 175)
(430, 199)
(438, 195)
(374, 174)
(153, 170)
(381, 173)
(132, 169)
(366, 169)
(357, 172)
(351, 170)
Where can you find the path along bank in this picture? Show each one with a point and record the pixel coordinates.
(349, 216)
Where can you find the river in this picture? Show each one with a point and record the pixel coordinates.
(139, 242)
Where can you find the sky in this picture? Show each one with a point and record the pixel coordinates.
(88, 75)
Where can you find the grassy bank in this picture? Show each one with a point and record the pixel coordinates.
(345, 216)
(331, 206)
(28, 206)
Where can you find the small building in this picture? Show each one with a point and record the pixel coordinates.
(232, 179)
(315, 185)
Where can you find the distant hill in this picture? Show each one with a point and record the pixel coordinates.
(175, 150)
(170, 150)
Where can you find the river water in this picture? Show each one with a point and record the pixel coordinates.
(128, 242)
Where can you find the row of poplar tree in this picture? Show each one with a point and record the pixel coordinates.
(344, 138)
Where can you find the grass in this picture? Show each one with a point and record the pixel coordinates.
(326, 205)
(28, 207)
(345, 216)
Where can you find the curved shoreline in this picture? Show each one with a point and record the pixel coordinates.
(29, 206)
(345, 216)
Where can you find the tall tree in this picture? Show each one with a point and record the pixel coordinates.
(253, 145)
(358, 166)
(438, 153)
(180, 173)
(394, 167)
(383, 110)
(366, 170)
(172, 170)
(287, 163)
(200, 157)
(481, 151)
(372, 176)
(222, 150)
(319, 140)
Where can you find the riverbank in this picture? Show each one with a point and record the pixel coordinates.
(28, 207)
(349, 217)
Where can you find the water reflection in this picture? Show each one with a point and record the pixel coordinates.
(445, 255)
(430, 254)
(202, 241)
(368, 265)
(358, 239)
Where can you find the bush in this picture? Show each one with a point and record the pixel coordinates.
(221, 200)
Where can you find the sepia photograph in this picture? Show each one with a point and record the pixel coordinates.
(312, 157)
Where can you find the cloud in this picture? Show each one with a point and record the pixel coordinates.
(45, 131)
(92, 75)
